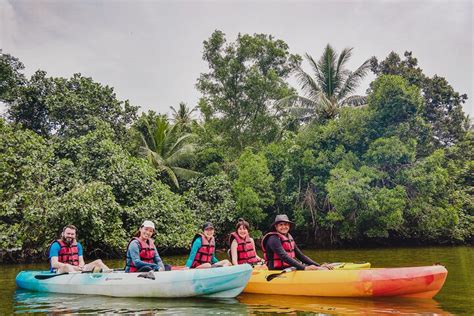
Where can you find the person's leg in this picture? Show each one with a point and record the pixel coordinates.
(96, 264)
(66, 268)
(260, 267)
(204, 266)
(145, 269)
(224, 263)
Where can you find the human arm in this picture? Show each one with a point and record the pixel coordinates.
(256, 255)
(275, 245)
(55, 264)
(194, 249)
(299, 254)
(158, 261)
(134, 253)
(233, 252)
(80, 254)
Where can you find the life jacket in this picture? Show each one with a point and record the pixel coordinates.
(288, 244)
(205, 252)
(147, 253)
(68, 253)
(245, 249)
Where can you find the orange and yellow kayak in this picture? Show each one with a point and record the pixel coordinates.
(419, 282)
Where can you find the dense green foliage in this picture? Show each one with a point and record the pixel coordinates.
(398, 169)
(244, 78)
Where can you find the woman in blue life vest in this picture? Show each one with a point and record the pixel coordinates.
(65, 254)
(242, 246)
(280, 250)
(142, 254)
(203, 250)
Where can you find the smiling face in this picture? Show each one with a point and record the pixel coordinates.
(146, 232)
(282, 227)
(242, 231)
(69, 235)
(209, 232)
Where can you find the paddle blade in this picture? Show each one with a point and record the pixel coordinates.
(274, 275)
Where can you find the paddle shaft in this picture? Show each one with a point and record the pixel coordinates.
(53, 275)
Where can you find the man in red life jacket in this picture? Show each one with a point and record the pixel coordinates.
(65, 254)
(280, 250)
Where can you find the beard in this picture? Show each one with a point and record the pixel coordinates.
(68, 240)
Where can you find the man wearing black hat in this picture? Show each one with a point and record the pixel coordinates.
(280, 250)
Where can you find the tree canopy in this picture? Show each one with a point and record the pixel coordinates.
(398, 170)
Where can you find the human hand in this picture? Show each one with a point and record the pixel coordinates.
(77, 268)
(327, 266)
(311, 267)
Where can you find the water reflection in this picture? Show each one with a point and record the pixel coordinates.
(246, 304)
(56, 304)
(340, 306)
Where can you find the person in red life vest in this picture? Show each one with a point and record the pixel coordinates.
(203, 250)
(242, 246)
(66, 254)
(142, 254)
(280, 250)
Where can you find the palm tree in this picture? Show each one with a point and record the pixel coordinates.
(183, 115)
(329, 89)
(167, 149)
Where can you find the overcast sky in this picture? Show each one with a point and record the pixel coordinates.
(150, 51)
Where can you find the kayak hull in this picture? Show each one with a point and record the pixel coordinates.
(224, 282)
(417, 282)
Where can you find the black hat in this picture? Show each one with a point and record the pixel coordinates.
(207, 225)
(281, 218)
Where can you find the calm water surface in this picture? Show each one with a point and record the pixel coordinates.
(456, 297)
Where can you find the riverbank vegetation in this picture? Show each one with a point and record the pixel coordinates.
(395, 165)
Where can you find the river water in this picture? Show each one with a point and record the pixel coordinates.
(456, 297)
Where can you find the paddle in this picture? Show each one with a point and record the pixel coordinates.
(53, 275)
(274, 275)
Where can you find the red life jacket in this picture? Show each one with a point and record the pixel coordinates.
(68, 253)
(205, 252)
(147, 253)
(288, 244)
(245, 249)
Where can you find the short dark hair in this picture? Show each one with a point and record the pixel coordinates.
(69, 226)
(242, 222)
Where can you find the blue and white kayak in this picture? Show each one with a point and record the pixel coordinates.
(223, 282)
